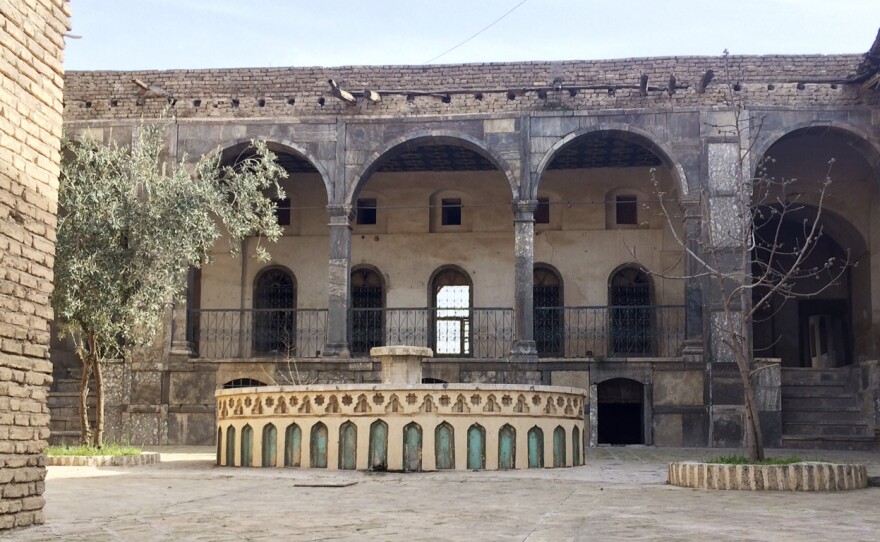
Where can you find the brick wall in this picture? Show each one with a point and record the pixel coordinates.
(30, 128)
(793, 80)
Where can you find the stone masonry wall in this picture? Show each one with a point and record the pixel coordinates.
(31, 47)
(472, 89)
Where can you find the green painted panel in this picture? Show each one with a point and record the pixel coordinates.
(476, 447)
(230, 446)
(412, 447)
(444, 446)
(559, 447)
(219, 444)
(536, 448)
(318, 446)
(378, 446)
(348, 446)
(270, 446)
(576, 447)
(247, 446)
(507, 448)
(293, 446)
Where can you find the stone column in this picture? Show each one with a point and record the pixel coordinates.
(692, 347)
(181, 342)
(339, 285)
(524, 265)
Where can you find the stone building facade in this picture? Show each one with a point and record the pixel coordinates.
(30, 134)
(508, 216)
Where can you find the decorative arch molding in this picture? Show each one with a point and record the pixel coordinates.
(860, 140)
(436, 137)
(285, 145)
(626, 132)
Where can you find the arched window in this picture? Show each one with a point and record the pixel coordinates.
(242, 383)
(506, 447)
(444, 446)
(367, 300)
(270, 446)
(536, 448)
(378, 452)
(548, 317)
(630, 312)
(412, 447)
(348, 446)
(274, 312)
(476, 447)
(318, 446)
(451, 299)
(247, 446)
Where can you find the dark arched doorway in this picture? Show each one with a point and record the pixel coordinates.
(548, 318)
(274, 315)
(621, 415)
(367, 300)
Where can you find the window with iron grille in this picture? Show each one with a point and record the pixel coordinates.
(627, 210)
(366, 311)
(631, 314)
(548, 318)
(450, 212)
(366, 211)
(274, 318)
(542, 212)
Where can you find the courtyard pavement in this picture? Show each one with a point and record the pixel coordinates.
(620, 494)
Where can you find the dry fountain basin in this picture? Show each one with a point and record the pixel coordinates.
(401, 424)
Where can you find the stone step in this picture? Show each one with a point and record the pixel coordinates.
(57, 438)
(804, 376)
(824, 429)
(829, 390)
(70, 385)
(859, 443)
(814, 415)
(842, 402)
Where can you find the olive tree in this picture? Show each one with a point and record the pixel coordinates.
(129, 227)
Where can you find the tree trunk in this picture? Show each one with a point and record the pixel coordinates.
(752, 427)
(85, 430)
(99, 406)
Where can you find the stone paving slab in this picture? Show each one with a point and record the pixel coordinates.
(621, 493)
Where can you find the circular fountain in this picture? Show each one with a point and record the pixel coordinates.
(401, 424)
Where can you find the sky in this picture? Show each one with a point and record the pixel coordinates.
(177, 34)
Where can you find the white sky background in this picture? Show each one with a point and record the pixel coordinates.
(170, 34)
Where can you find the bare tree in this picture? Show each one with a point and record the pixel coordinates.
(758, 252)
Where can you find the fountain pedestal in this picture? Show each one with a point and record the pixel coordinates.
(401, 364)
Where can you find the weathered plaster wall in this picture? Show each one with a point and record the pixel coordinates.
(30, 125)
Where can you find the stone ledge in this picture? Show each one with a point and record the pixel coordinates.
(145, 458)
(805, 476)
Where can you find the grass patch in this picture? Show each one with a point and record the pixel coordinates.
(743, 460)
(108, 449)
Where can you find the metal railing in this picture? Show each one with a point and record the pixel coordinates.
(247, 333)
(485, 333)
(610, 331)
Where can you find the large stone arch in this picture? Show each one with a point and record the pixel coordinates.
(417, 138)
(861, 141)
(286, 146)
(625, 132)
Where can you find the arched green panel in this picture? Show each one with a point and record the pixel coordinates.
(476, 447)
(444, 446)
(507, 448)
(293, 446)
(378, 446)
(347, 446)
(536, 448)
(559, 447)
(230, 446)
(412, 447)
(576, 447)
(270, 446)
(219, 444)
(318, 446)
(247, 446)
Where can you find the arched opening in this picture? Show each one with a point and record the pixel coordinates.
(630, 313)
(230, 446)
(366, 319)
(559, 447)
(347, 446)
(444, 446)
(476, 447)
(506, 447)
(536, 448)
(576, 447)
(621, 419)
(293, 446)
(318, 446)
(219, 446)
(412, 447)
(451, 297)
(242, 383)
(247, 446)
(548, 318)
(270, 446)
(827, 320)
(378, 452)
(274, 312)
